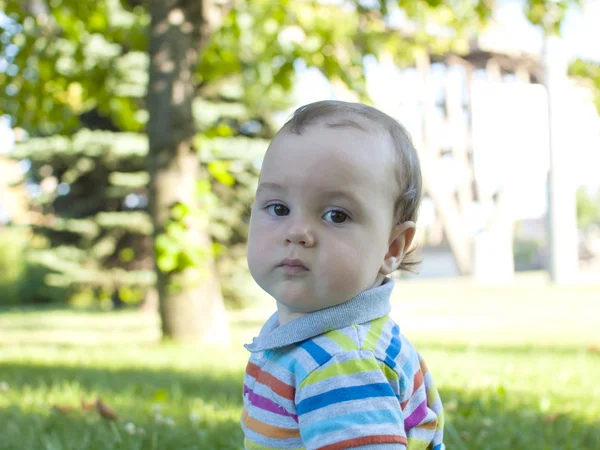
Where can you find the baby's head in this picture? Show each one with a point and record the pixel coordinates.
(335, 208)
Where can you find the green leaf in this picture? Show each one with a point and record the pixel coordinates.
(167, 262)
(127, 255)
(179, 211)
(219, 170)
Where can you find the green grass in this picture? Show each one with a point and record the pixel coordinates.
(518, 368)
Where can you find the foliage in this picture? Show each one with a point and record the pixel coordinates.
(64, 62)
(588, 70)
(68, 57)
(86, 235)
(588, 208)
(12, 264)
(527, 253)
(100, 239)
(548, 14)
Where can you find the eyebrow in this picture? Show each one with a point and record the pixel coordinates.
(271, 186)
(330, 193)
(342, 194)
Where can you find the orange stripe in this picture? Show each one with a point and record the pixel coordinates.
(276, 385)
(418, 381)
(428, 425)
(366, 440)
(252, 369)
(269, 431)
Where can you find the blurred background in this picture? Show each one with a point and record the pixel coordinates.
(131, 137)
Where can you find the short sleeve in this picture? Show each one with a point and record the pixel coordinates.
(348, 402)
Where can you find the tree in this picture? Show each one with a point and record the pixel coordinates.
(191, 304)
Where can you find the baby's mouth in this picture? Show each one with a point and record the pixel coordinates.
(293, 266)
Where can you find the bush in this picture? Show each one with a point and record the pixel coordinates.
(588, 208)
(23, 281)
(13, 243)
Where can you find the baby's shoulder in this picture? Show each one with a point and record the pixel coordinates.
(389, 345)
(380, 339)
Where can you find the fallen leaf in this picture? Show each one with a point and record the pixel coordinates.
(105, 411)
(88, 406)
(63, 409)
(551, 418)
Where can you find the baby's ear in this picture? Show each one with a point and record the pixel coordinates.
(400, 240)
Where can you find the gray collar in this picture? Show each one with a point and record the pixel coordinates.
(366, 306)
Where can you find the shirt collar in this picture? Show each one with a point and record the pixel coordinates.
(366, 306)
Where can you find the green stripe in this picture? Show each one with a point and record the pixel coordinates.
(441, 421)
(417, 444)
(375, 328)
(341, 339)
(432, 394)
(388, 372)
(342, 368)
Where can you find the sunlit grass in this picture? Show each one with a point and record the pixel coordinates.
(517, 368)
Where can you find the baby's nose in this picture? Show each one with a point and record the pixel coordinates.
(300, 234)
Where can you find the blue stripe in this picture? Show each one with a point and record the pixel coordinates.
(394, 348)
(287, 362)
(410, 366)
(356, 419)
(318, 353)
(344, 395)
(438, 447)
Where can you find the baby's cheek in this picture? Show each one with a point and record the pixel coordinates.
(255, 260)
(347, 268)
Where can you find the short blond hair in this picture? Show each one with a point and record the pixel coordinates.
(407, 169)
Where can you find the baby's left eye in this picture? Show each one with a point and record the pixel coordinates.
(336, 216)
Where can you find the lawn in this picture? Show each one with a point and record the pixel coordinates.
(517, 366)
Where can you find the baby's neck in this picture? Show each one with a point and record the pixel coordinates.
(285, 315)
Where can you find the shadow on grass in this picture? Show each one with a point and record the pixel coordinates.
(223, 388)
(476, 419)
(150, 399)
(498, 420)
(56, 431)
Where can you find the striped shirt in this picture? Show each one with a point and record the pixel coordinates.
(343, 377)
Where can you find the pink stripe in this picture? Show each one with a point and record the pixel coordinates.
(268, 405)
(417, 416)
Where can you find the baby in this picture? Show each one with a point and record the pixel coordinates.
(334, 216)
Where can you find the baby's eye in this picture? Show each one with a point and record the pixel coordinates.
(278, 210)
(335, 216)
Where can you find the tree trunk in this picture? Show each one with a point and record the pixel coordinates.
(193, 310)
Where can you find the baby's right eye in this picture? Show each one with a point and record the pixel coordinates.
(278, 210)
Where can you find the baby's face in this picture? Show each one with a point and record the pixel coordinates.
(323, 216)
